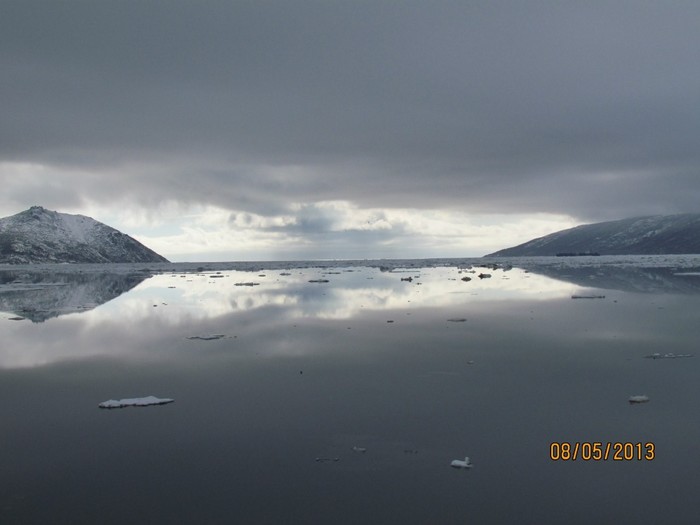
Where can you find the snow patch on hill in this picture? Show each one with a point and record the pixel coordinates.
(39, 235)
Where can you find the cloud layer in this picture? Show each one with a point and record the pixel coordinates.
(269, 108)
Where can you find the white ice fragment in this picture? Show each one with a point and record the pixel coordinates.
(135, 402)
(359, 449)
(669, 355)
(638, 399)
(459, 463)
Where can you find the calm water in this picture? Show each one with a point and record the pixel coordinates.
(417, 372)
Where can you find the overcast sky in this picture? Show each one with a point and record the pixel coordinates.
(234, 130)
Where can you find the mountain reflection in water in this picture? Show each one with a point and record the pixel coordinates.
(662, 279)
(39, 296)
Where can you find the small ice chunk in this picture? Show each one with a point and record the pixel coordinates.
(638, 399)
(207, 337)
(135, 402)
(459, 463)
(669, 355)
(359, 449)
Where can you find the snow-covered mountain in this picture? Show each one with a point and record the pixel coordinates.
(660, 234)
(38, 235)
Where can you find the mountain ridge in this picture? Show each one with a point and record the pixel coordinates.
(38, 235)
(647, 235)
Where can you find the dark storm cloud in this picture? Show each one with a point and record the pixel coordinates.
(590, 109)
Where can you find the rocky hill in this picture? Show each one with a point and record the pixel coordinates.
(660, 234)
(38, 235)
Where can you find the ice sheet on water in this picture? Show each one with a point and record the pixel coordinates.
(669, 355)
(638, 399)
(207, 337)
(135, 402)
(462, 463)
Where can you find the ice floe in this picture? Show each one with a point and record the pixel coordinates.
(669, 355)
(462, 463)
(135, 402)
(638, 399)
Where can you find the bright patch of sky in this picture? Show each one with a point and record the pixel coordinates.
(215, 234)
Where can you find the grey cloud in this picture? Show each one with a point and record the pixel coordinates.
(478, 106)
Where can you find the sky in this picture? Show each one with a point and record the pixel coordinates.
(326, 129)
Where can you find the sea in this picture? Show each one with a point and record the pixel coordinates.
(317, 392)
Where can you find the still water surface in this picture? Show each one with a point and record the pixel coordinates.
(416, 372)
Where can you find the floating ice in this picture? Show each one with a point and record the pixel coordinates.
(459, 463)
(359, 449)
(669, 355)
(638, 399)
(135, 402)
(207, 337)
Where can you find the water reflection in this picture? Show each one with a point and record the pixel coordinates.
(627, 279)
(187, 304)
(309, 370)
(39, 296)
(342, 297)
(227, 300)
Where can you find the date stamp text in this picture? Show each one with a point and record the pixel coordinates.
(601, 451)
